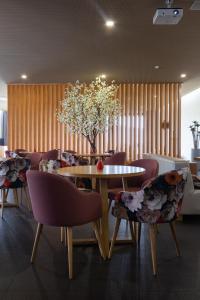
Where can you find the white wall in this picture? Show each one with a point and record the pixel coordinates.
(3, 96)
(190, 111)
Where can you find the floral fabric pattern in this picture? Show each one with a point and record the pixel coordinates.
(52, 165)
(13, 172)
(158, 202)
(69, 158)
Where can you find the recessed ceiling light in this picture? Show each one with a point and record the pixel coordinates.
(183, 75)
(110, 23)
(103, 76)
(24, 76)
(156, 67)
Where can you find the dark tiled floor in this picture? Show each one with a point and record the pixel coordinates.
(128, 275)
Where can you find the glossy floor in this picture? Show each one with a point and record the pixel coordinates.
(128, 275)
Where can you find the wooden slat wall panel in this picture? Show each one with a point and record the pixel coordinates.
(149, 122)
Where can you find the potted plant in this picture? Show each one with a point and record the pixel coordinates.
(195, 129)
(89, 109)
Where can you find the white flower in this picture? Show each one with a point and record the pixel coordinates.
(133, 200)
(89, 109)
(3, 169)
(157, 202)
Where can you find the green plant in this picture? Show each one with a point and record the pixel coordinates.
(195, 133)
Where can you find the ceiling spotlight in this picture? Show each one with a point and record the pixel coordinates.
(103, 76)
(183, 75)
(110, 23)
(24, 76)
(156, 67)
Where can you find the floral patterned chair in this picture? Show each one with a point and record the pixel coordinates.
(158, 202)
(51, 166)
(13, 176)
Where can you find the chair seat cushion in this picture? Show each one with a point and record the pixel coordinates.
(113, 193)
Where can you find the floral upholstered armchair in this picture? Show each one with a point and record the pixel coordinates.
(158, 202)
(52, 165)
(13, 176)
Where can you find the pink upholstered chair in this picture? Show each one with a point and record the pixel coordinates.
(57, 202)
(50, 155)
(118, 158)
(35, 158)
(151, 167)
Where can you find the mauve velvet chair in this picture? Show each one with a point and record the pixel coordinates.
(35, 158)
(118, 158)
(135, 183)
(151, 167)
(57, 202)
(50, 155)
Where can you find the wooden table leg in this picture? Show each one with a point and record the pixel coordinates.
(124, 183)
(93, 180)
(104, 223)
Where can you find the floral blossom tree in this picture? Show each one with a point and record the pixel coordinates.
(89, 109)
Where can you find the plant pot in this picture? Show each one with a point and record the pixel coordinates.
(195, 153)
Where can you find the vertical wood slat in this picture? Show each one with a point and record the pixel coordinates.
(149, 122)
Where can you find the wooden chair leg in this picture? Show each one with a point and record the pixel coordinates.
(16, 197)
(173, 230)
(21, 196)
(131, 225)
(27, 199)
(153, 234)
(65, 237)
(70, 253)
(109, 203)
(37, 237)
(117, 224)
(98, 237)
(6, 194)
(137, 227)
(62, 234)
(3, 195)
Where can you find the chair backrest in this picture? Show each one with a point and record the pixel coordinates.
(160, 201)
(8, 153)
(52, 165)
(56, 201)
(118, 158)
(150, 165)
(35, 158)
(20, 152)
(70, 151)
(50, 155)
(69, 157)
(13, 172)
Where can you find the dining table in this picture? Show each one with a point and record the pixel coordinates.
(102, 177)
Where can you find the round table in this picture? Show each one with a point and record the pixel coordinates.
(114, 171)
